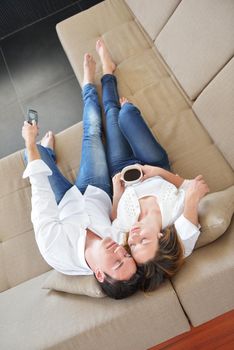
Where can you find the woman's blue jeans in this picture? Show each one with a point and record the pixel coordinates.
(128, 138)
(93, 166)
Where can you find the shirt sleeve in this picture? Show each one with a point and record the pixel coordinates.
(60, 240)
(188, 233)
(185, 184)
(45, 212)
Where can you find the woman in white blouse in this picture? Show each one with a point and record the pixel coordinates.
(160, 213)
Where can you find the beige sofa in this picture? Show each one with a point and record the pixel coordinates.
(175, 61)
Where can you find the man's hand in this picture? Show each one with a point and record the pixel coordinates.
(29, 133)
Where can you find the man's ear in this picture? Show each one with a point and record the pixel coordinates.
(100, 275)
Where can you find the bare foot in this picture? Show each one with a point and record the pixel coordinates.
(123, 100)
(48, 140)
(89, 69)
(108, 66)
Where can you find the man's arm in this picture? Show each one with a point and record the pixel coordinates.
(44, 213)
(29, 133)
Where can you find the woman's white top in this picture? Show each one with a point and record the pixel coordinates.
(171, 203)
(60, 230)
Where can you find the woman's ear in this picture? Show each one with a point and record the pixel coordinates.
(100, 275)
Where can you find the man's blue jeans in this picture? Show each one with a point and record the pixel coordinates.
(128, 138)
(93, 166)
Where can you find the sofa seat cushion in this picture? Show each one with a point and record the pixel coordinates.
(149, 86)
(205, 285)
(215, 109)
(197, 42)
(33, 318)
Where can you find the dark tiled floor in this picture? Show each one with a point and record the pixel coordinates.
(35, 73)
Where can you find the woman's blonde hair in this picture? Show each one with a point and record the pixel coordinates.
(166, 262)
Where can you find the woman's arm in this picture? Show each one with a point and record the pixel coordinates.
(118, 190)
(198, 188)
(187, 225)
(150, 171)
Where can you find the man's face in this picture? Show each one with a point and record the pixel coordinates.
(115, 261)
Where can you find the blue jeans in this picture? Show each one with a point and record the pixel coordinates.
(128, 138)
(93, 166)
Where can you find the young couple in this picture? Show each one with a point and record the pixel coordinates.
(72, 223)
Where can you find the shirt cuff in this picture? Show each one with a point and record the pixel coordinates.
(185, 184)
(188, 233)
(35, 167)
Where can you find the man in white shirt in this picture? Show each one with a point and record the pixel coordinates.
(72, 222)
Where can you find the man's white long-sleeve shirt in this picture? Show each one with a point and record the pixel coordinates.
(60, 230)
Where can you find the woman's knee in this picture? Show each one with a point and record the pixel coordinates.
(127, 113)
(163, 160)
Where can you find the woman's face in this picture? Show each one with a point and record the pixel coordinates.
(143, 242)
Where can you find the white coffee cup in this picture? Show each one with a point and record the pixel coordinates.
(131, 174)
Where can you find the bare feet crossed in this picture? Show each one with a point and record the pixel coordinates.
(89, 69)
(108, 66)
(48, 140)
(123, 100)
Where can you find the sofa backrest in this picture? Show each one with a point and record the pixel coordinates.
(195, 39)
(154, 15)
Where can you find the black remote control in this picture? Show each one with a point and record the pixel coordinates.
(32, 115)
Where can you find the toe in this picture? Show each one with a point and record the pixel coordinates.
(86, 57)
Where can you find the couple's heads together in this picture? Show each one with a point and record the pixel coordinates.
(143, 264)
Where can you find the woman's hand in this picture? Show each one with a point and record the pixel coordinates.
(150, 171)
(118, 185)
(197, 189)
(29, 133)
(118, 190)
